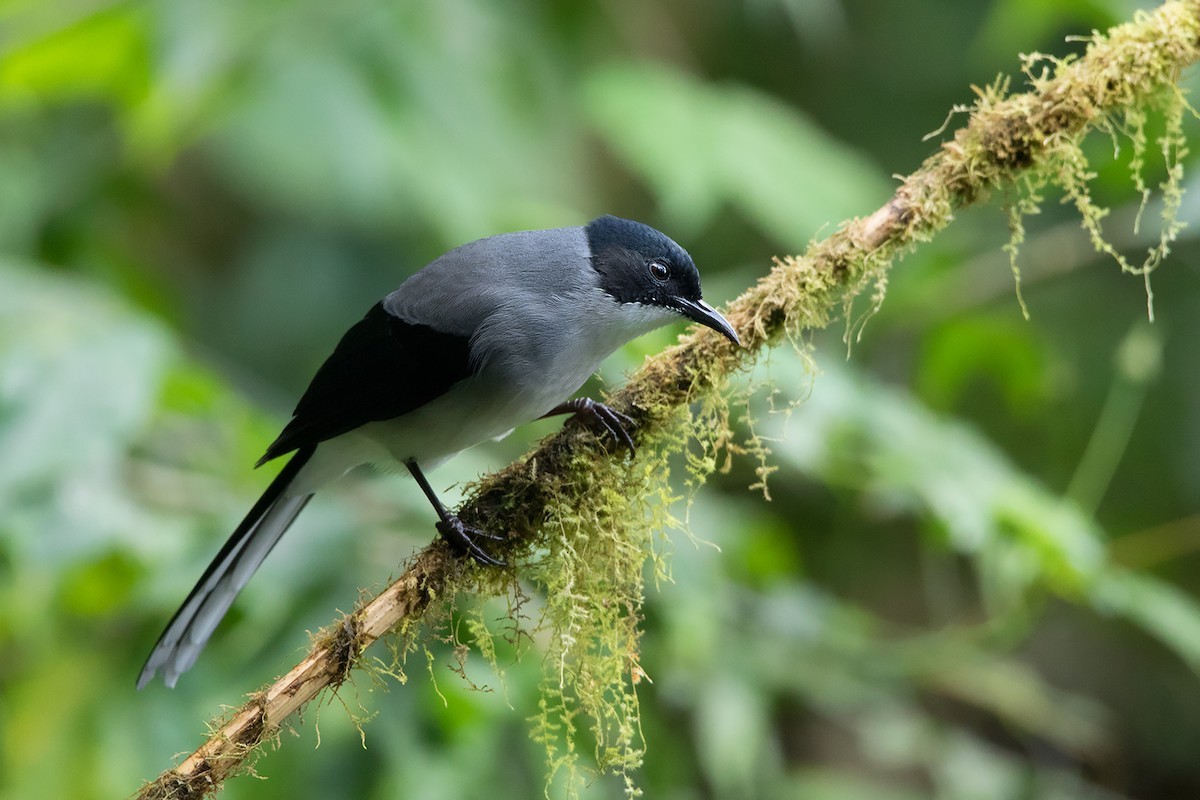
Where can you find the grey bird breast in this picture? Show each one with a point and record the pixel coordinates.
(517, 299)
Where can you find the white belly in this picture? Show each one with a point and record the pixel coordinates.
(468, 414)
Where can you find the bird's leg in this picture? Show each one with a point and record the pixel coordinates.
(458, 534)
(611, 420)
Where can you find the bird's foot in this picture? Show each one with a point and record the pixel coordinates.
(465, 539)
(611, 421)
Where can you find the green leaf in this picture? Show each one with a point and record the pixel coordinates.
(884, 442)
(79, 377)
(1160, 609)
(1020, 534)
(105, 54)
(700, 146)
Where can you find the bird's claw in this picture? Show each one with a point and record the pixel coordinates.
(465, 539)
(612, 421)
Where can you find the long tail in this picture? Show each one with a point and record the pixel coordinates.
(188, 631)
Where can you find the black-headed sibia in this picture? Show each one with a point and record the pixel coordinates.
(487, 337)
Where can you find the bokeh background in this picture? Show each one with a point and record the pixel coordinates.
(977, 575)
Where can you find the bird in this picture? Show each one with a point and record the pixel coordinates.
(491, 335)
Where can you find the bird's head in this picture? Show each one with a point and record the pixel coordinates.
(638, 264)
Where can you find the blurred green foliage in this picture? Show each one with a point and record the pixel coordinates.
(976, 577)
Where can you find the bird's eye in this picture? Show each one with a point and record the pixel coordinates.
(659, 271)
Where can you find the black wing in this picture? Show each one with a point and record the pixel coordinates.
(383, 367)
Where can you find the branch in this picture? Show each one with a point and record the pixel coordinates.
(1004, 140)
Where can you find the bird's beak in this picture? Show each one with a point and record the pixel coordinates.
(702, 312)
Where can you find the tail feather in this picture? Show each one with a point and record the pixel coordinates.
(189, 630)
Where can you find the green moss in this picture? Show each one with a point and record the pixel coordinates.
(590, 527)
(593, 577)
(1106, 93)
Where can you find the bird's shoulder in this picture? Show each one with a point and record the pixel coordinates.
(509, 273)
(383, 367)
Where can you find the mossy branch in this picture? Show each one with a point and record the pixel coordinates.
(1017, 142)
